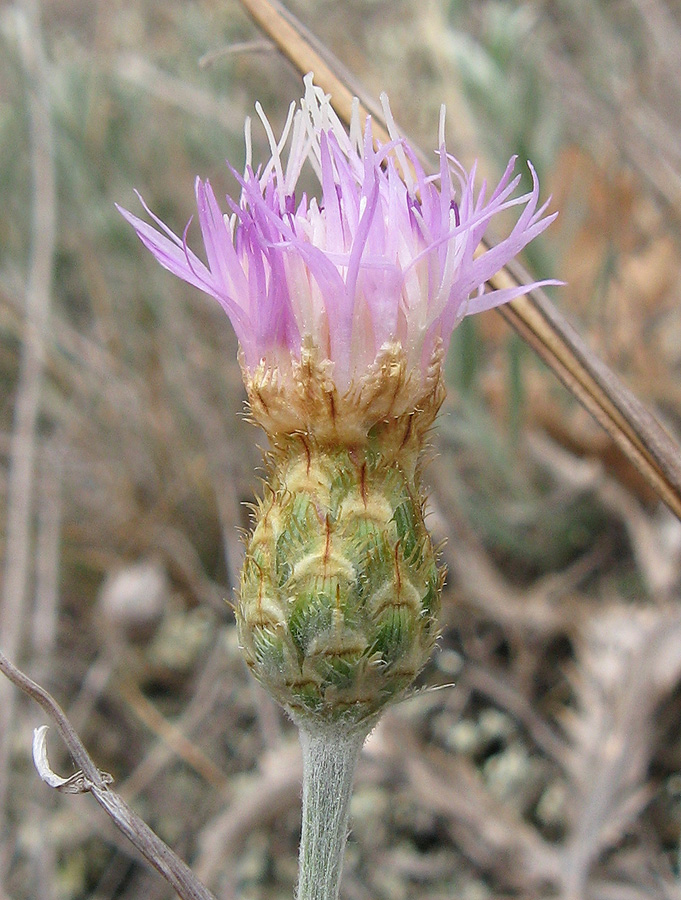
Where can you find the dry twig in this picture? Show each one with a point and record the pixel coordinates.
(90, 779)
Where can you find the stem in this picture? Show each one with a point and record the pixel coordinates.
(329, 761)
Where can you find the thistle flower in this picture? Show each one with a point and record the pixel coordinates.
(344, 308)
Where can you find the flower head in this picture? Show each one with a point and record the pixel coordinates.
(347, 302)
(344, 307)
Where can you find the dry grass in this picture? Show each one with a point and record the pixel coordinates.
(551, 768)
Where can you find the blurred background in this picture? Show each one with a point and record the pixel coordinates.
(552, 766)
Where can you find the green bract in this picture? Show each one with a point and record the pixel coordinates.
(340, 587)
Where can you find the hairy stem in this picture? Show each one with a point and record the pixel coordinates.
(329, 761)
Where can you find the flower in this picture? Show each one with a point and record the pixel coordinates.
(350, 300)
(344, 307)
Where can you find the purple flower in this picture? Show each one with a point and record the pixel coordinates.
(387, 256)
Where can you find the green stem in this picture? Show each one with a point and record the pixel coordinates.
(329, 761)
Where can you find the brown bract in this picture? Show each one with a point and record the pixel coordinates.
(303, 398)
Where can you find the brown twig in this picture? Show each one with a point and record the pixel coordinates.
(89, 778)
(630, 425)
(168, 732)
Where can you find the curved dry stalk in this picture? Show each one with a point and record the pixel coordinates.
(90, 779)
(629, 423)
